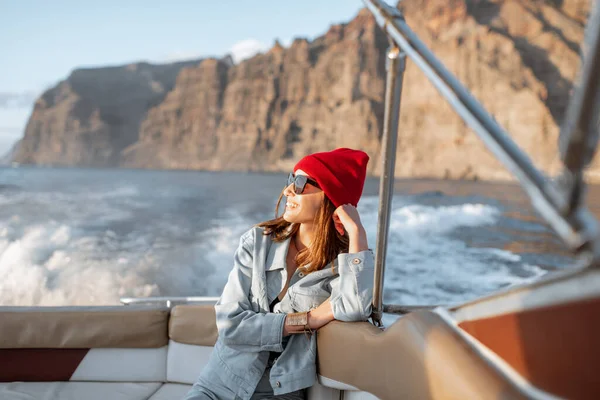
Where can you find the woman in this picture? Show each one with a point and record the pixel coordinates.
(291, 276)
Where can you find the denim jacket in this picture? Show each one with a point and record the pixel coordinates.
(248, 331)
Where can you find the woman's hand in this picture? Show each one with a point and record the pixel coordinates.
(315, 319)
(320, 316)
(346, 217)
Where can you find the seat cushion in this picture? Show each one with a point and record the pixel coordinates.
(77, 390)
(186, 361)
(171, 391)
(79, 327)
(103, 365)
(428, 360)
(123, 365)
(193, 324)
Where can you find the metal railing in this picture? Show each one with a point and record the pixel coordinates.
(169, 301)
(560, 203)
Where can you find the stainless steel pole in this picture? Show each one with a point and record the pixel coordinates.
(579, 232)
(580, 130)
(395, 65)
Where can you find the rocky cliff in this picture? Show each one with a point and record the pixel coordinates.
(519, 58)
(92, 116)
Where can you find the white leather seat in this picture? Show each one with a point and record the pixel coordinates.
(77, 390)
(171, 391)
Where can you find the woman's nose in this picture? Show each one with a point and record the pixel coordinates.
(289, 190)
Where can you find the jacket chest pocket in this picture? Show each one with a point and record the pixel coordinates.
(305, 299)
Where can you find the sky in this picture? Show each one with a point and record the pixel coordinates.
(41, 41)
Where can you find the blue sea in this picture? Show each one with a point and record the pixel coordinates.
(72, 236)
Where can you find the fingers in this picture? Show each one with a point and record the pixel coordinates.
(344, 208)
(343, 215)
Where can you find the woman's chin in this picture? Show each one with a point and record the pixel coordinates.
(291, 216)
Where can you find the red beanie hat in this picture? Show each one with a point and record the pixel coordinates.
(340, 173)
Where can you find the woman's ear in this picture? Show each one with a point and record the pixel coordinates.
(338, 224)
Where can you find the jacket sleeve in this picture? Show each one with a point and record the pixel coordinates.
(352, 291)
(238, 325)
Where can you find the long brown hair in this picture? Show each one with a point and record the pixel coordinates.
(326, 243)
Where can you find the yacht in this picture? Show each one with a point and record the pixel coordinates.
(534, 341)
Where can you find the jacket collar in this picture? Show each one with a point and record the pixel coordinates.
(277, 255)
(276, 259)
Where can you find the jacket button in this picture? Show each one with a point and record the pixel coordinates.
(356, 261)
(277, 384)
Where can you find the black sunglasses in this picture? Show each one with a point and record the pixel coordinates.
(300, 182)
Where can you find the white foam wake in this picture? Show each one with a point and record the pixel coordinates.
(427, 265)
(74, 259)
(79, 261)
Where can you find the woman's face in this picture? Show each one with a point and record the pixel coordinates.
(302, 208)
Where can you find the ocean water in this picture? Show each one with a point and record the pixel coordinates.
(91, 236)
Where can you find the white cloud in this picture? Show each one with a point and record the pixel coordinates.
(239, 51)
(23, 99)
(287, 42)
(12, 126)
(8, 137)
(246, 49)
(182, 55)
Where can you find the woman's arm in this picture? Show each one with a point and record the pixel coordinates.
(358, 239)
(352, 291)
(238, 324)
(315, 319)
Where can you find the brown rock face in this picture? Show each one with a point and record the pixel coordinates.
(516, 63)
(518, 57)
(182, 130)
(264, 113)
(89, 118)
